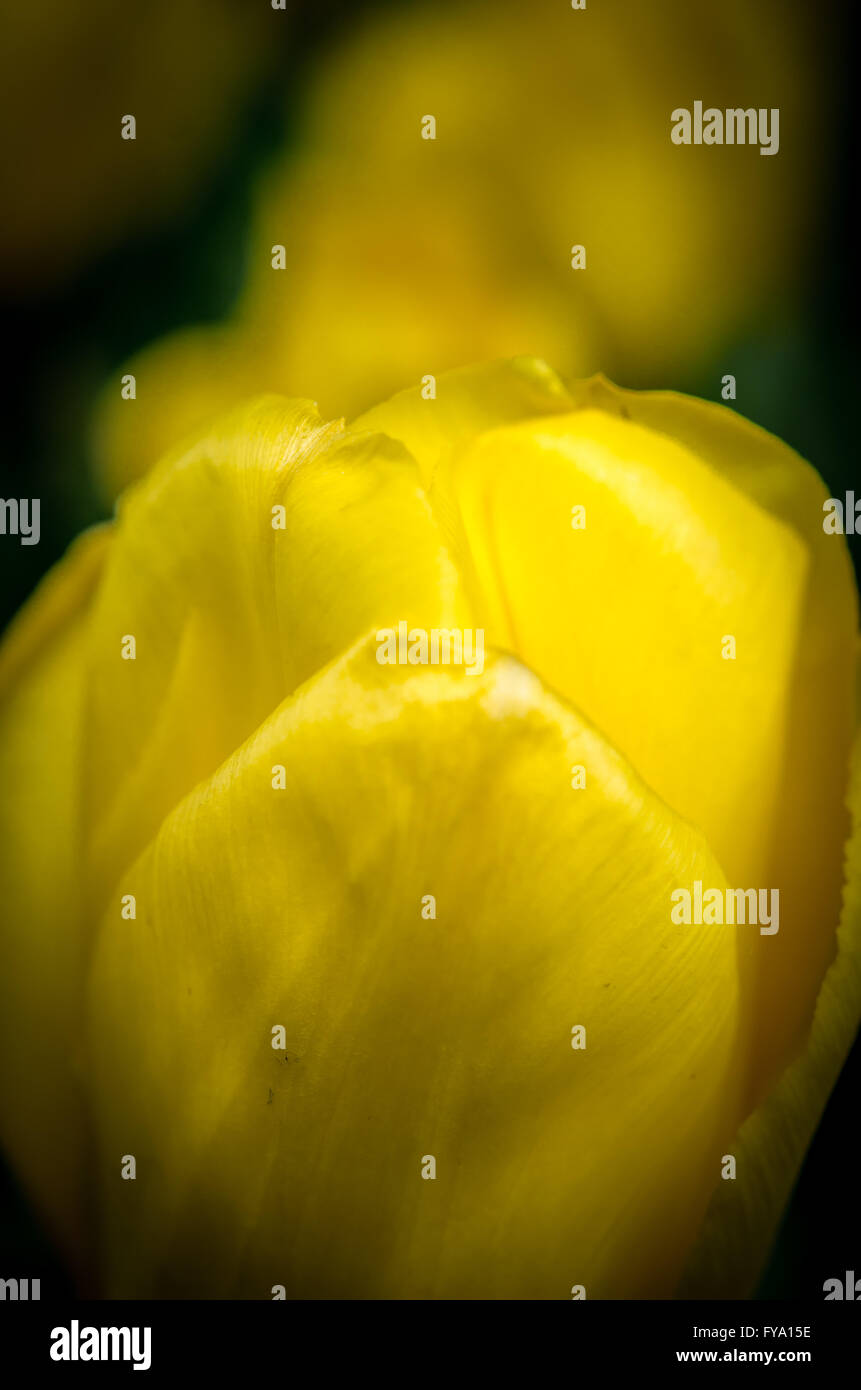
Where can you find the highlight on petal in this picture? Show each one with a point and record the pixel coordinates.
(411, 1036)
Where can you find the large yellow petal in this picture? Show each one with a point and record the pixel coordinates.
(699, 526)
(810, 824)
(230, 614)
(409, 1037)
(42, 939)
(627, 618)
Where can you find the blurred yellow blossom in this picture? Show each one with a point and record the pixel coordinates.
(406, 256)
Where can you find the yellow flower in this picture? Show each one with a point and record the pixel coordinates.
(451, 887)
(404, 255)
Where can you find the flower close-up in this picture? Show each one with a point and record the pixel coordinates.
(360, 773)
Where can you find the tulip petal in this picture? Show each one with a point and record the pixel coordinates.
(627, 618)
(468, 401)
(42, 939)
(811, 825)
(744, 1215)
(406, 1036)
(698, 526)
(231, 611)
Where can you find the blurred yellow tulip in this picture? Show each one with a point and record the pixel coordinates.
(405, 255)
(319, 940)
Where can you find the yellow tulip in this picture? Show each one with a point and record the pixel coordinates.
(405, 256)
(504, 1070)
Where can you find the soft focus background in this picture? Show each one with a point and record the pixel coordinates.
(406, 256)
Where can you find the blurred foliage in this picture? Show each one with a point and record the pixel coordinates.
(796, 366)
(69, 74)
